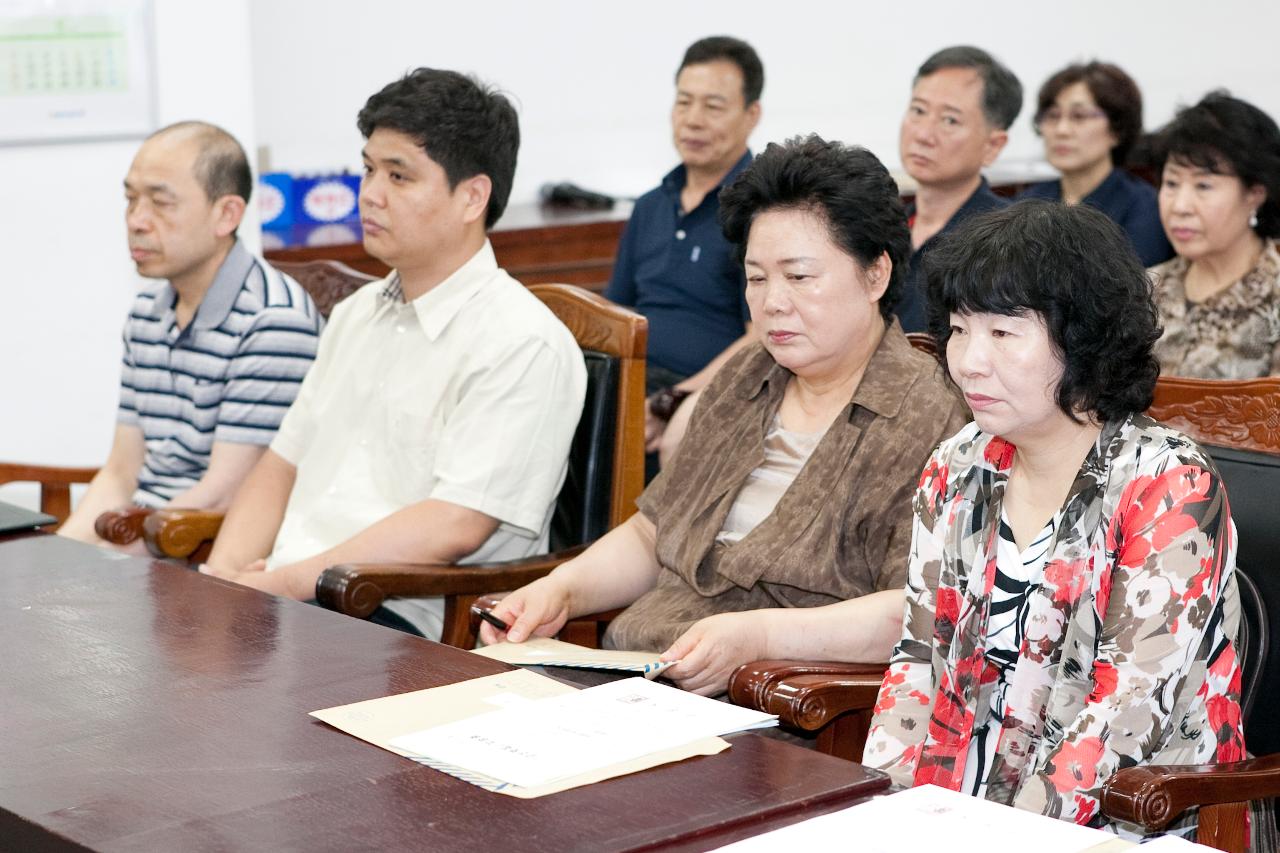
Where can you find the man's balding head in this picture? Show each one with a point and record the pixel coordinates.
(221, 166)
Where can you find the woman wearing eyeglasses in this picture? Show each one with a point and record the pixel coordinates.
(1090, 116)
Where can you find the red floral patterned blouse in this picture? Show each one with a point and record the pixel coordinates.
(1127, 656)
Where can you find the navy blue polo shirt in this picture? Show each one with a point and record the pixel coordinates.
(911, 308)
(679, 271)
(1131, 204)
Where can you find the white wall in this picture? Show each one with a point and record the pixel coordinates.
(594, 80)
(68, 280)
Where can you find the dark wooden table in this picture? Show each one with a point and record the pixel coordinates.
(147, 707)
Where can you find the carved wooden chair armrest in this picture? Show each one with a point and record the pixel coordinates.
(833, 699)
(121, 526)
(185, 534)
(1154, 795)
(358, 589)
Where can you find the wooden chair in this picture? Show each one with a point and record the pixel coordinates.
(924, 342)
(606, 475)
(327, 283)
(1239, 424)
(54, 484)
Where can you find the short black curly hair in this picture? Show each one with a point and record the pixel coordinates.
(845, 184)
(466, 127)
(1074, 267)
(1227, 136)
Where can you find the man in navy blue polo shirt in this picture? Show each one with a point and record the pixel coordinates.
(674, 265)
(962, 104)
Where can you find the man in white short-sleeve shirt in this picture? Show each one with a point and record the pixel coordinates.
(435, 425)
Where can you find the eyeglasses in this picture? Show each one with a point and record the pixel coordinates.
(1074, 117)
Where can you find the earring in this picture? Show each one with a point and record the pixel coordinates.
(1253, 219)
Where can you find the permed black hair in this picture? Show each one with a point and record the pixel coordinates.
(846, 185)
(465, 126)
(1227, 136)
(1075, 268)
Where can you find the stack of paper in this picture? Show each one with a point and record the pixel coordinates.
(539, 743)
(526, 735)
(933, 818)
(544, 651)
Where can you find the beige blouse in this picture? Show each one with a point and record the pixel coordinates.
(785, 453)
(840, 530)
(1234, 334)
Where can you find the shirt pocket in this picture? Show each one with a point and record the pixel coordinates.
(207, 393)
(404, 463)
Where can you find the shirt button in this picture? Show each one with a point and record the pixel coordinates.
(680, 234)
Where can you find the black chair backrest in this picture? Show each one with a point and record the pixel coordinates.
(582, 508)
(1254, 642)
(1252, 479)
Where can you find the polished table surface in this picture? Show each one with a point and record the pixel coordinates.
(144, 706)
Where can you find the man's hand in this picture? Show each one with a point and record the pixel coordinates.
(714, 647)
(654, 427)
(537, 610)
(253, 575)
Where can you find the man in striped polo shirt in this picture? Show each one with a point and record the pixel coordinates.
(214, 352)
(436, 424)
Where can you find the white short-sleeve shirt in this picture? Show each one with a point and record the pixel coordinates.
(468, 394)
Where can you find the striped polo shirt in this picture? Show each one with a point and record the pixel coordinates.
(229, 375)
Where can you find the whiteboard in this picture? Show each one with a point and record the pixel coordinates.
(75, 69)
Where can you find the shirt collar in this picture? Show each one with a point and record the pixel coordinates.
(980, 196)
(979, 200)
(437, 307)
(219, 298)
(888, 376)
(673, 182)
(884, 385)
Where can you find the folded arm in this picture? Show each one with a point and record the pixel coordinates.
(861, 630)
(903, 706)
(229, 466)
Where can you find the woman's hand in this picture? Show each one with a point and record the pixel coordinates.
(713, 648)
(537, 610)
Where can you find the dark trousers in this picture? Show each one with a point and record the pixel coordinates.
(655, 379)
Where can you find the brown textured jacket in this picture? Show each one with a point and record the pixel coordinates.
(841, 530)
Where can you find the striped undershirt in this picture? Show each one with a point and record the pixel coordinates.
(229, 375)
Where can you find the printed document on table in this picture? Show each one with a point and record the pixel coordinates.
(933, 818)
(544, 651)
(380, 721)
(541, 742)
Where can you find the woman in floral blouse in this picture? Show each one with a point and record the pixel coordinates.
(1219, 299)
(1071, 596)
